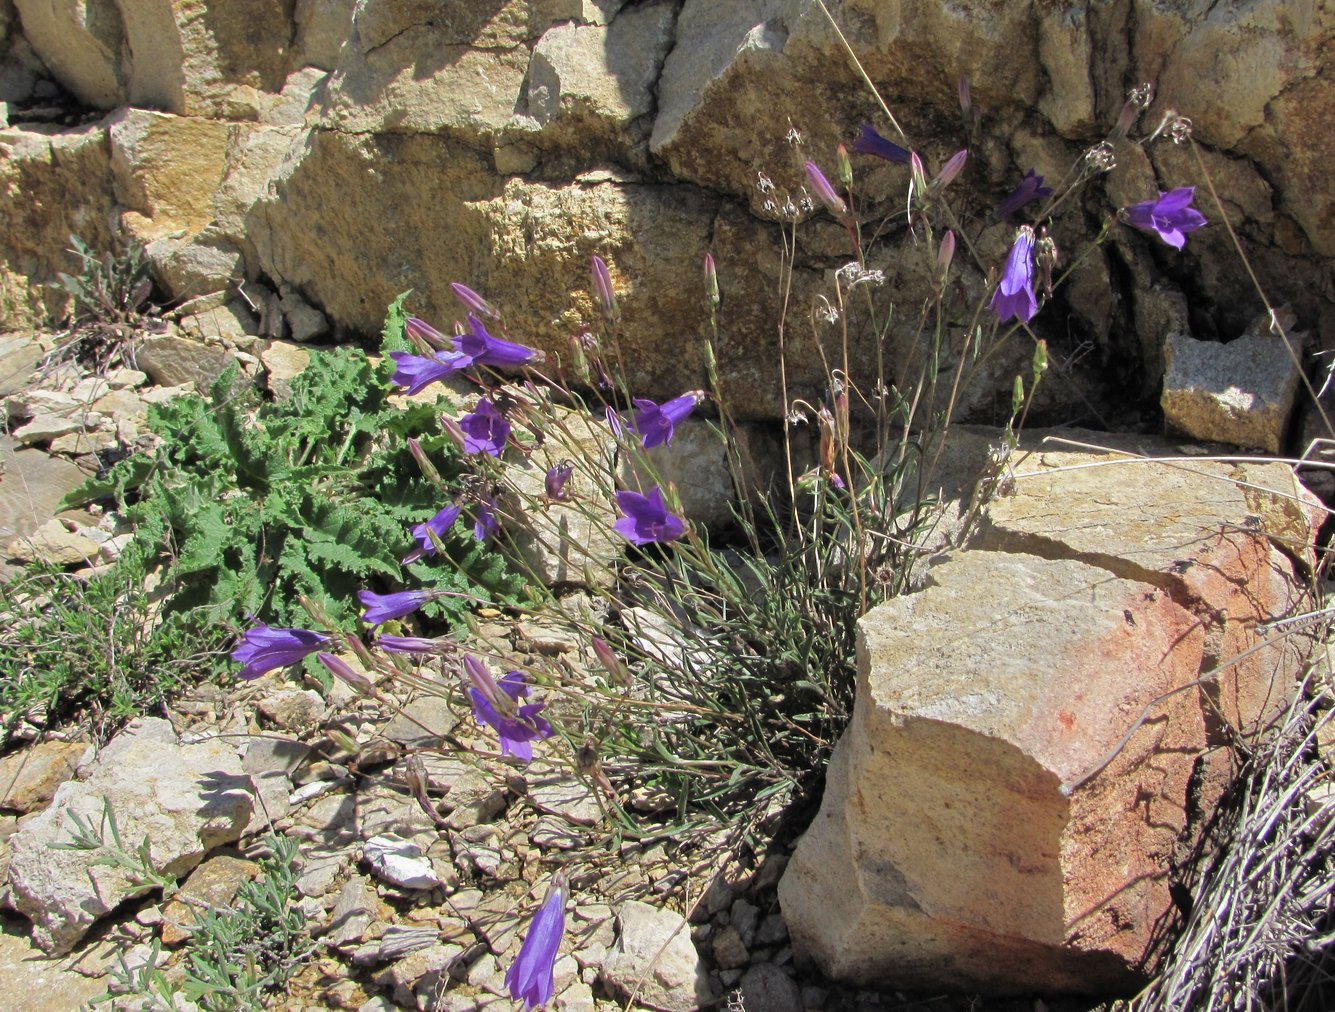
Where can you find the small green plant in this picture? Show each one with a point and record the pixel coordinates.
(137, 864)
(235, 956)
(100, 646)
(254, 504)
(109, 301)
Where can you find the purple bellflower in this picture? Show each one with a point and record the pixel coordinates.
(485, 521)
(1170, 217)
(869, 142)
(417, 372)
(646, 518)
(477, 347)
(485, 430)
(530, 978)
(383, 607)
(1031, 188)
(656, 422)
(1015, 293)
(437, 525)
(558, 476)
(263, 649)
(496, 705)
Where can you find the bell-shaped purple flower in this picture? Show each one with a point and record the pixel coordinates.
(383, 607)
(485, 430)
(1014, 296)
(531, 978)
(869, 142)
(437, 525)
(496, 704)
(558, 476)
(263, 649)
(1031, 188)
(655, 422)
(417, 372)
(485, 521)
(477, 347)
(646, 518)
(1170, 217)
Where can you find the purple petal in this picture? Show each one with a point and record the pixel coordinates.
(264, 648)
(531, 977)
(870, 142)
(383, 607)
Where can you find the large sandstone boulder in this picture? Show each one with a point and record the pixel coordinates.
(1028, 755)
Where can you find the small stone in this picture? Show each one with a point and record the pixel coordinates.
(212, 885)
(122, 377)
(567, 797)
(44, 428)
(766, 988)
(744, 918)
(77, 444)
(655, 959)
(283, 362)
(29, 778)
(729, 949)
(293, 709)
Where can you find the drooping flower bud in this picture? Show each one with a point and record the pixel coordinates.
(1017, 395)
(1040, 360)
(473, 302)
(918, 173)
(346, 674)
(602, 288)
(949, 171)
(427, 338)
(424, 464)
(617, 672)
(824, 191)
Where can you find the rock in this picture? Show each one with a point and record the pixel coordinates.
(19, 355)
(730, 951)
(31, 485)
(185, 799)
(567, 797)
(211, 886)
(283, 362)
(1217, 538)
(54, 544)
(353, 913)
(166, 170)
(416, 979)
(304, 321)
(980, 871)
(77, 444)
(1240, 393)
(421, 720)
(178, 361)
(82, 45)
(766, 988)
(266, 752)
(29, 778)
(293, 709)
(400, 863)
(655, 960)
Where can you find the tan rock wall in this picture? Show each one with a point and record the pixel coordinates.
(441, 139)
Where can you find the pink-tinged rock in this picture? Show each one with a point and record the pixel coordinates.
(1219, 538)
(945, 851)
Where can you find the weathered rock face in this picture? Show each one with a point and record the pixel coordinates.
(368, 148)
(1004, 818)
(185, 799)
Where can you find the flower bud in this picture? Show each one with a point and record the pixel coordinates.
(424, 464)
(344, 741)
(602, 288)
(711, 282)
(617, 672)
(824, 191)
(1040, 360)
(554, 484)
(918, 173)
(1017, 396)
(426, 337)
(949, 171)
(473, 302)
(845, 167)
(344, 672)
(944, 254)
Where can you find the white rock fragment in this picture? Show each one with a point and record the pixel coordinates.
(400, 863)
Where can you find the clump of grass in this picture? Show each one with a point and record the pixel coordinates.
(100, 646)
(1262, 921)
(109, 303)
